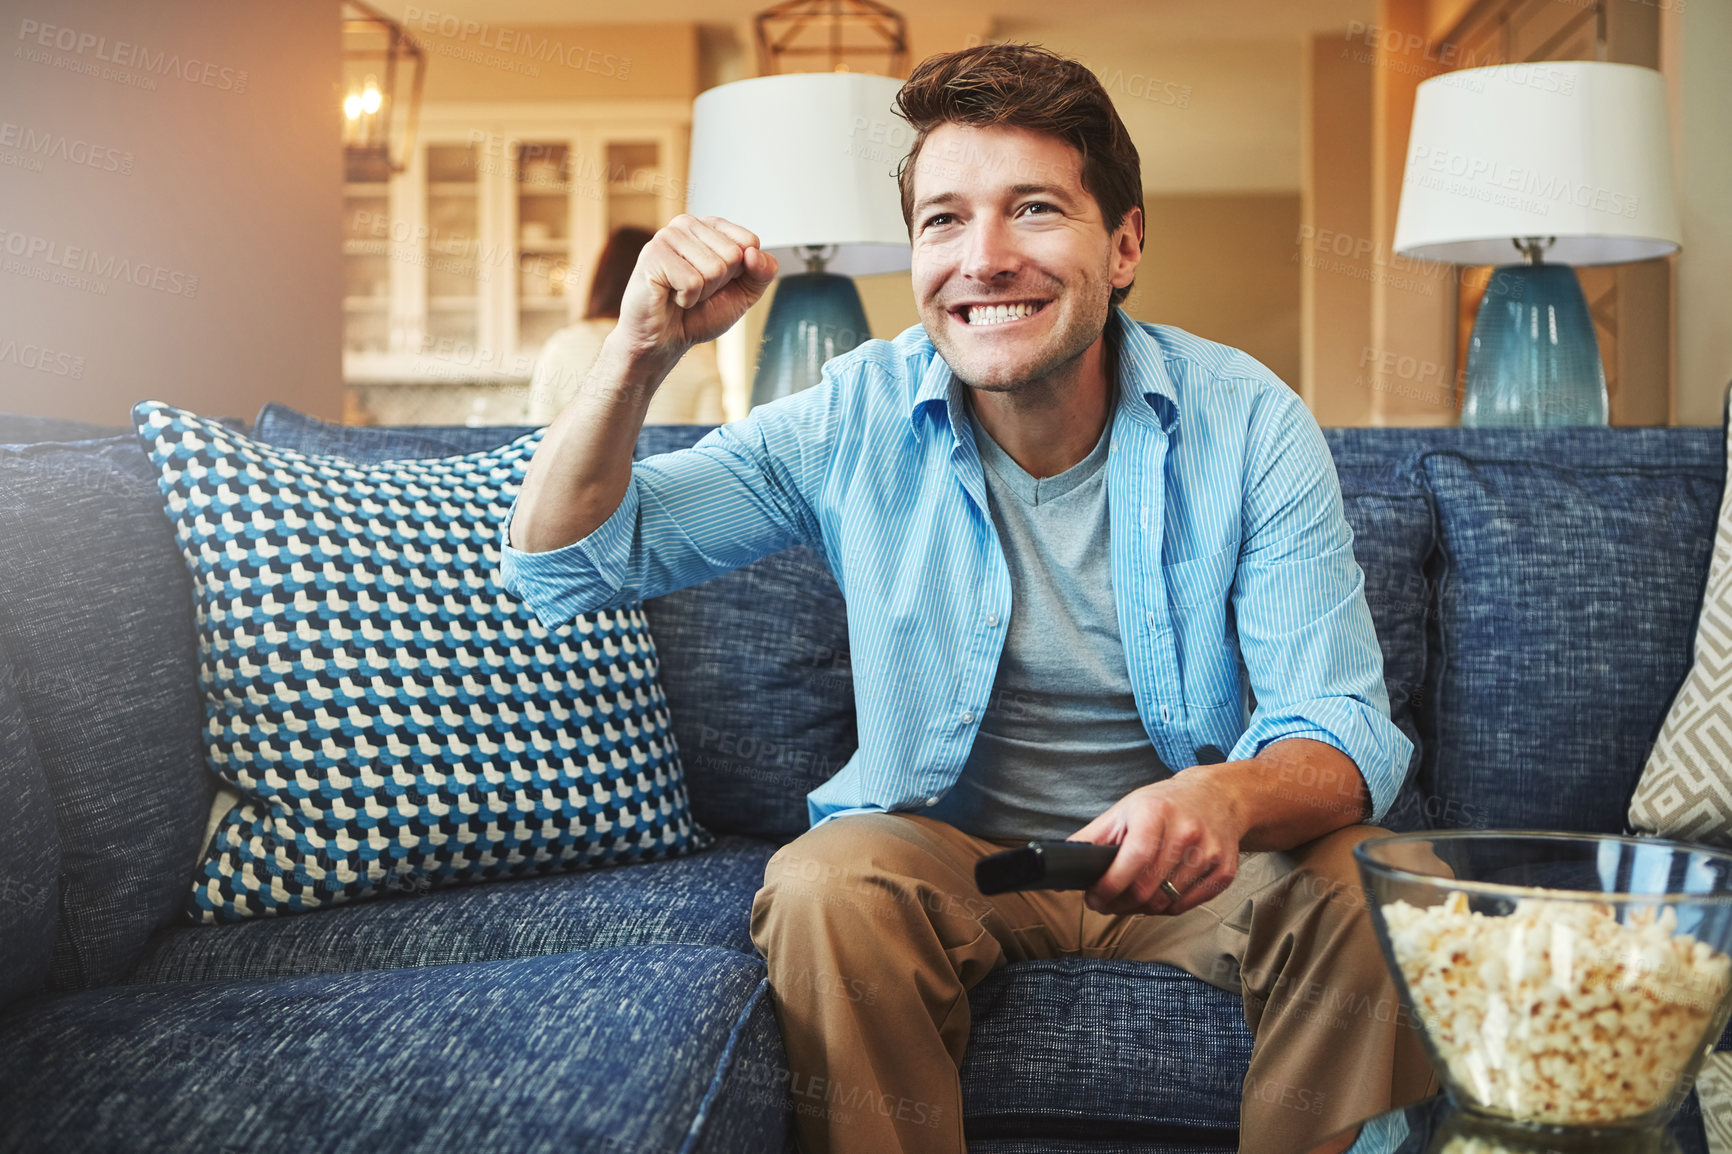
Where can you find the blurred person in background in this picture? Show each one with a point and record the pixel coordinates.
(692, 393)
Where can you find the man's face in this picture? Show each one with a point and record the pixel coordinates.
(1001, 219)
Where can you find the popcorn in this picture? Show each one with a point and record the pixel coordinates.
(1558, 1012)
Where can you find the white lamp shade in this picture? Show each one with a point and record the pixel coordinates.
(806, 158)
(1576, 150)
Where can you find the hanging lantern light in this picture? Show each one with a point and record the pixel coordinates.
(831, 36)
(383, 68)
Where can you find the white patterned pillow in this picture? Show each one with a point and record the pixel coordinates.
(1686, 786)
(389, 715)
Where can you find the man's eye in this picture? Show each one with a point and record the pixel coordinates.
(937, 218)
(1034, 204)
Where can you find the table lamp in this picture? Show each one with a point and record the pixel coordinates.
(1557, 164)
(806, 160)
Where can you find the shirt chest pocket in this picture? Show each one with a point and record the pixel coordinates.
(1208, 650)
(1204, 580)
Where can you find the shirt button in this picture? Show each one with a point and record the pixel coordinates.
(967, 716)
(931, 801)
(992, 619)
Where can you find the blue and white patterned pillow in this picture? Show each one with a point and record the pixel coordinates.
(390, 716)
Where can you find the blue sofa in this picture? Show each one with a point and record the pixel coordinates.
(1535, 593)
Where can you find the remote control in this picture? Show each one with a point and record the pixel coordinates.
(1044, 865)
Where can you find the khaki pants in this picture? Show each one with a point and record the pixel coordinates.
(874, 932)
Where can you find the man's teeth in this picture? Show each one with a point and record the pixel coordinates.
(998, 314)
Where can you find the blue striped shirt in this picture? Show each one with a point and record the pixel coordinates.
(1227, 539)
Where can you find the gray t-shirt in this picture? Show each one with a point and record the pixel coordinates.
(1060, 740)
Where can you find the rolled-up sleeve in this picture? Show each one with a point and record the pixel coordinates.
(745, 490)
(587, 574)
(1305, 632)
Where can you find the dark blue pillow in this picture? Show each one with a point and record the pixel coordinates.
(1567, 607)
(96, 616)
(754, 663)
(369, 444)
(29, 852)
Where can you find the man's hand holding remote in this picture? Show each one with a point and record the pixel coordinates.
(693, 281)
(1185, 831)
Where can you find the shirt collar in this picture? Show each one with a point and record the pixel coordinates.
(1145, 388)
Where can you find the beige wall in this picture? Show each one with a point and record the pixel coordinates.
(1337, 259)
(1411, 357)
(1225, 266)
(1217, 115)
(170, 178)
(1694, 48)
(487, 60)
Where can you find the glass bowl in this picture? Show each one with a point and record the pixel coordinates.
(1566, 982)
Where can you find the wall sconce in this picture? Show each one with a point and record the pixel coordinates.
(383, 69)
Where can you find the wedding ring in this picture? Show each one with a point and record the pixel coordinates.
(1172, 891)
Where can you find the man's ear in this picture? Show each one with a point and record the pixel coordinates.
(1127, 247)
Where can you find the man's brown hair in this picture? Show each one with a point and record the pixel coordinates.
(1023, 86)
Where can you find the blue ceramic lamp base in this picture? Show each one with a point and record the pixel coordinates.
(813, 316)
(1533, 358)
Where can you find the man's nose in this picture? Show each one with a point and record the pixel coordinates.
(991, 250)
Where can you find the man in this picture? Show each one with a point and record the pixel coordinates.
(1057, 532)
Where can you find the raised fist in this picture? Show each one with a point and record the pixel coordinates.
(693, 280)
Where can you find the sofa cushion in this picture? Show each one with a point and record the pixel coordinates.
(96, 621)
(1560, 643)
(702, 899)
(24, 429)
(639, 1049)
(1087, 1047)
(1391, 518)
(388, 713)
(761, 689)
(29, 852)
(754, 663)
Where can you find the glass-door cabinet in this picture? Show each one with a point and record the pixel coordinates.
(458, 270)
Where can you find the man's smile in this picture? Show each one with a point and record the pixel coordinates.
(982, 314)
